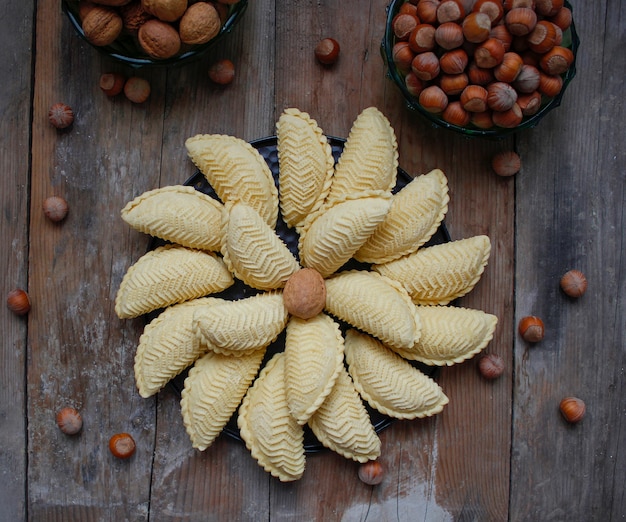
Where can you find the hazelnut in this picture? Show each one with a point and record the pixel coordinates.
(450, 11)
(122, 445)
(549, 84)
(159, 39)
(425, 66)
(449, 35)
(422, 38)
(222, 72)
(489, 53)
(482, 120)
(433, 99)
(165, 10)
(69, 420)
(520, 21)
(18, 302)
(304, 294)
(509, 118)
(136, 89)
(371, 473)
(403, 24)
(548, 7)
(574, 283)
(402, 56)
(527, 80)
(474, 98)
(413, 84)
(455, 114)
(509, 68)
(500, 96)
(529, 103)
(453, 84)
(427, 10)
(454, 62)
(476, 27)
(562, 19)
(200, 24)
(492, 8)
(506, 163)
(557, 60)
(61, 115)
(543, 37)
(479, 75)
(112, 83)
(531, 329)
(573, 409)
(102, 25)
(491, 366)
(55, 208)
(327, 51)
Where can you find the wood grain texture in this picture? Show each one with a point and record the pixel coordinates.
(498, 451)
(15, 107)
(570, 214)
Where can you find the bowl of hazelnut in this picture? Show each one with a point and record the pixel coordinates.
(481, 67)
(153, 32)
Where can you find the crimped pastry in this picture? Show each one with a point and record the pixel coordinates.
(306, 165)
(416, 212)
(441, 273)
(179, 214)
(374, 304)
(388, 382)
(168, 345)
(274, 438)
(236, 327)
(313, 358)
(450, 335)
(236, 171)
(330, 237)
(343, 425)
(212, 391)
(252, 250)
(167, 275)
(369, 160)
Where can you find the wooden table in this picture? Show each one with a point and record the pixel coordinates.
(499, 451)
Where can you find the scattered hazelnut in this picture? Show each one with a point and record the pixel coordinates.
(327, 51)
(55, 208)
(531, 328)
(574, 283)
(222, 72)
(61, 115)
(371, 473)
(69, 420)
(122, 445)
(506, 163)
(305, 293)
(572, 409)
(112, 83)
(136, 89)
(18, 302)
(491, 366)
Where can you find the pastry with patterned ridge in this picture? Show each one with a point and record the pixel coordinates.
(237, 327)
(450, 335)
(168, 275)
(252, 251)
(272, 435)
(415, 214)
(329, 238)
(168, 345)
(389, 383)
(343, 425)
(374, 304)
(212, 391)
(306, 166)
(440, 274)
(236, 171)
(179, 214)
(369, 160)
(313, 358)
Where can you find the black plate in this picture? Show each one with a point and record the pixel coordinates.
(267, 149)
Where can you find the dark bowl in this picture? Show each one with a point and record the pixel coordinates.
(570, 40)
(126, 48)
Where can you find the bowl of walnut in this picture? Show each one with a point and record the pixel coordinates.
(153, 32)
(481, 67)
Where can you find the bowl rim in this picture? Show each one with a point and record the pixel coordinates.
(136, 61)
(497, 132)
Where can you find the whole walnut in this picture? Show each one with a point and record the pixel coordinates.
(165, 10)
(134, 16)
(102, 25)
(200, 23)
(159, 39)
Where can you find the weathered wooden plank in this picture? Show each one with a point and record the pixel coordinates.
(570, 214)
(15, 56)
(80, 354)
(223, 482)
